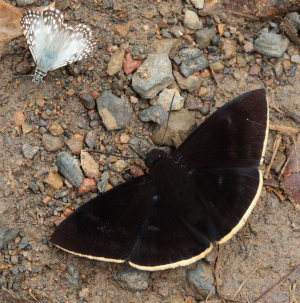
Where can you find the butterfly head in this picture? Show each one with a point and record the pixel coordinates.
(153, 156)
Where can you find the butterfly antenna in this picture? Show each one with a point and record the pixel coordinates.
(109, 154)
(171, 104)
(140, 156)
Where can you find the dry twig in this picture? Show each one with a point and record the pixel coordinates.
(277, 284)
(275, 149)
(284, 129)
(250, 275)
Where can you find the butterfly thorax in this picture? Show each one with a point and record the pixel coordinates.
(153, 156)
(39, 76)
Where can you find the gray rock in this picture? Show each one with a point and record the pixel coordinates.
(181, 123)
(201, 280)
(103, 181)
(177, 30)
(193, 60)
(7, 234)
(90, 139)
(23, 243)
(29, 151)
(69, 167)
(193, 103)
(271, 44)
(133, 279)
(73, 279)
(191, 20)
(62, 193)
(155, 113)
(190, 83)
(204, 36)
(153, 75)
(51, 143)
(25, 2)
(115, 112)
(88, 101)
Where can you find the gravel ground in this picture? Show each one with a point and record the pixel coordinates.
(103, 103)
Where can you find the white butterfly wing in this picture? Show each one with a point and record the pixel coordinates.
(52, 43)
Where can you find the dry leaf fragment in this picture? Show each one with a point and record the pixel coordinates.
(10, 27)
(291, 176)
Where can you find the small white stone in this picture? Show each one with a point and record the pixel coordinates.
(295, 59)
(191, 20)
(199, 4)
(165, 99)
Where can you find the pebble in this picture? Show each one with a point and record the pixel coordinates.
(193, 103)
(88, 101)
(228, 48)
(177, 30)
(51, 143)
(217, 66)
(115, 63)
(124, 138)
(73, 279)
(75, 146)
(271, 44)
(119, 166)
(155, 113)
(88, 185)
(23, 68)
(165, 45)
(165, 99)
(23, 243)
(180, 125)
(248, 47)
(89, 165)
(69, 167)
(34, 187)
(193, 60)
(201, 280)
(130, 65)
(62, 193)
(103, 182)
(29, 151)
(115, 112)
(295, 59)
(25, 2)
(90, 139)
(190, 83)
(153, 75)
(54, 179)
(204, 37)
(191, 20)
(199, 4)
(254, 70)
(56, 129)
(26, 128)
(7, 234)
(133, 279)
(19, 118)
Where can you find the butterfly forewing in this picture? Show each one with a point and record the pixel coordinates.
(106, 228)
(222, 157)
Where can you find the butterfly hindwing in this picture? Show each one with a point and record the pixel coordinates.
(106, 227)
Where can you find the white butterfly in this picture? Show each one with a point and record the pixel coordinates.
(52, 43)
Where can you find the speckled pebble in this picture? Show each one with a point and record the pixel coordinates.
(155, 113)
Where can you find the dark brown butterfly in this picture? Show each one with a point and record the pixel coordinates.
(201, 194)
